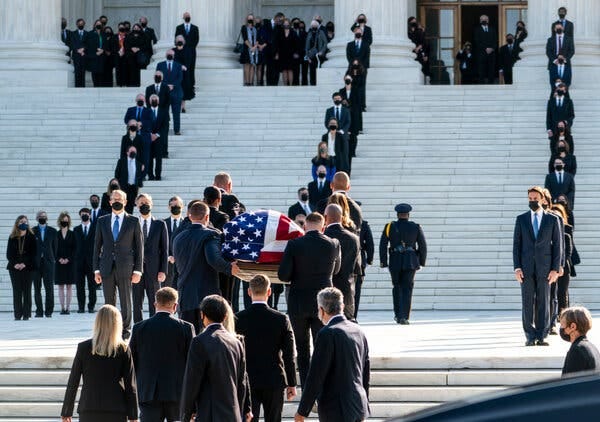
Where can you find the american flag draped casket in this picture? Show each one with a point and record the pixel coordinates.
(257, 239)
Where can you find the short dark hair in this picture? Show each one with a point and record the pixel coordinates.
(86, 210)
(214, 307)
(199, 210)
(211, 194)
(94, 196)
(579, 316)
(80, 20)
(335, 94)
(562, 8)
(315, 217)
(191, 203)
(259, 284)
(302, 189)
(166, 296)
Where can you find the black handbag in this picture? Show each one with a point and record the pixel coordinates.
(239, 46)
(142, 60)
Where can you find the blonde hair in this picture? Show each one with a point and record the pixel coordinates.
(341, 200)
(108, 329)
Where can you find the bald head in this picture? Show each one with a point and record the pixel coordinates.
(341, 181)
(333, 214)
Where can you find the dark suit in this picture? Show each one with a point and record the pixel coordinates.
(507, 57)
(355, 211)
(350, 265)
(296, 209)
(171, 280)
(84, 269)
(567, 187)
(77, 38)
(315, 195)
(354, 100)
(122, 174)
(555, 73)
(25, 253)
(361, 54)
(173, 77)
(486, 63)
(126, 143)
(159, 346)
(343, 121)
(342, 151)
(339, 374)
(94, 62)
(367, 33)
(218, 218)
(198, 260)
(582, 356)
(163, 93)
(191, 42)
(536, 257)
(309, 263)
(568, 27)
(270, 349)
(556, 113)
(116, 260)
(150, 34)
(367, 251)
(156, 255)
(45, 269)
(109, 385)
(567, 49)
(143, 115)
(160, 127)
(215, 384)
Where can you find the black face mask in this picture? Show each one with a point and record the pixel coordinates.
(133, 128)
(117, 206)
(169, 57)
(187, 20)
(337, 102)
(561, 15)
(98, 27)
(484, 23)
(132, 154)
(358, 35)
(179, 44)
(304, 197)
(80, 27)
(42, 220)
(559, 167)
(114, 186)
(154, 103)
(562, 149)
(322, 175)
(85, 218)
(361, 20)
(296, 25)
(176, 210)
(250, 22)
(560, 93)
(144, 24)
(561, 129)
(64, 224)
(559, 31)
(158, 79)
(509, 41)
(534, 205)
(145, 209)
(140, 103)
(121, 29)
(108, 34)
(355, 66)
(136, 32)
(564, 335)
(414, 25)
(94, 204)
(348, 81)
(332, 127)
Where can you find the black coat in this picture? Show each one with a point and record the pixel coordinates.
(215, 384)
(270, 347)
(315, 196)
(555, 114)
(156, 250)
(483, 40)
(342, 154)
(570, 163)
(354, 103)
(163, 95)
(582, 356)
(566, 188)
(367, 246)
(568, 27)
(67, 248)
(218, 218)
(159, 346)
(92, 42)
(507, 57)
(403, 233)
(109, 383)
(28, 256)
(339, 374)
(343, 122)
(350, 248)
(85, 246)
(363, 55)
(567, 49)
(355, 211)
(122, 172)
(192, 38)
(126, 143)
(296, 209)
(228, 201)
(127, 251)
(46, 250)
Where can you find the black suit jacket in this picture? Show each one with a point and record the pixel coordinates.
(566, 76)
(168, 223)
(270, 347)
(156, 250)
(296, 209)
(339, 373)
(215, 384)
(507, 58)
(160, 124)
(483, 40)
(367, 33)
(126, 142)
(567, 187)
(91, 43)
(355, 211)
(315, 196)
(122, 172)
(150, 34)
(582, 356)
(537, 256)
(85, 246)
(555, 114)
(126, 253)
(46, 249)
(367, 246)
(309, 263)
(198, 260)
(192, 38)
(163, 95)
(350, 247)
(218, 218)
(145, 118)
(567, 49)
(568, 27)
(342, 156)
(363, 54)
(159, 346)
(344, 120)
(109, 384)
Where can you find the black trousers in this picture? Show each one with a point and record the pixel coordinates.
(44, 276)
(85, 273)
(535, 297)
(158, 411)
(122, 72)
(79, 69)
(132, 192)
(363, 92)
(562, 290)
(114, 282)
(271, 401)
(21, 284)
(508, 75)
(226, 287)
(235, 295)
(156, 157)
(357, 289)
(172, 275)
(304, 324)
(98, 79)
(347, 289)
(148, 286)
(102, 417)
(313, 71)
(193, 317)
(272, 74)
(486, 67)
(403, 283)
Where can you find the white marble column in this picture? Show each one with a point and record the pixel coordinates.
(585, 15)
(391, 55)
(171, 15)
(218, 32)
(31, 51)
(89, 10)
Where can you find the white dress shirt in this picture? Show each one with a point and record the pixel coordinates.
(172, 221)
(560, 176)
(131, 171)
(540, 214)
(305, 206)
(113, 216)
(331, 144)
(149, 222)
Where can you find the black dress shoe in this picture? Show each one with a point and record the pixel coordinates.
(63, 312)
(404, 321)
(48, 315)
(67, 312)
(26, 318)
(151, 177)
(158, 178)
(81, 311)
(530, 343)
(183, 110)
(177, 133)
(91, 311)
(542, 343)
(39, 315)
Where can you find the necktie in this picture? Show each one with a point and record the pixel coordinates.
(84, 231)
(559, 45)
(560, 71)
(357, 46)
(187, 29)
(337, 113)
(174, 226)
(100, 40)
(154, 114)
(320, 186)
(157, 89)
(115, 229)
(536, 227)
(145, 230)
(169, 67)
(560, 178)
(139, 111)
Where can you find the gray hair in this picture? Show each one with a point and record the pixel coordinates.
(331, 300)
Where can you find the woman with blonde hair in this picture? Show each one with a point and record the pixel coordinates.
(109, 392)
(341, 200)
(21, 255)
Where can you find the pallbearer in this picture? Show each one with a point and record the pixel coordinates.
(407, 254)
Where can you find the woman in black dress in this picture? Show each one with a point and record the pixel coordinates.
(357, 73)
(111, 50)
(184, 56)
(109, 392)
(286, 48)
(135, 48)
(249, 55)
(21, 255)
(113, 184)
(65, 257)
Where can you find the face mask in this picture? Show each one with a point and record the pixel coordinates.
(140, 103)
(64, 224)
(132, 155)
(158, 79)
(169, 57)
(114, 186)
(322, 150)
(108, 34)
(559, 167)
(509, 41)
(361, 20)
(322, 175)
(302, 28)
(295, 25)
(534, 206)
(358, 35)
(154, 103)
(286, 27)
(85, 218)
(250, 22)
(304, 197)
(80, 27)
(337, 102)
(98, 27)
(313, 29)
(560, 93)
(348, 81)
(145, 209)
(117, 206)
(144, 24)
(136, 32)
(561, 129)
(187, 20)
(176, 210)
(414, 24)
(355, 66)
(484, 23)
(95, 204)
(42, 220)
(559, 31)
(561, 15)
(564, 335)
(562, 149)
(121, 29)
(332, 127)
(133, 128)
(179, 44)
(23, 226)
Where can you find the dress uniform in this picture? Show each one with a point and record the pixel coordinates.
(407, 253)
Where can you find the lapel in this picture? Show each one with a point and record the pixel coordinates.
(530, 226)
(124, 225)
(543, 223)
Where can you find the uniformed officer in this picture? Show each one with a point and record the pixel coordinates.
(408, 252)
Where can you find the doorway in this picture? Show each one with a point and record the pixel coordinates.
(469, 18)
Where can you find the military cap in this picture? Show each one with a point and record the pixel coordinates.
(403, 208)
